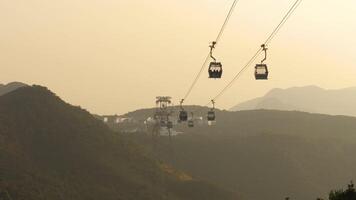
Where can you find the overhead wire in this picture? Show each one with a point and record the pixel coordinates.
(254, 57)
(284, 20)
(231, 11)
(222, 29)
(237, 76)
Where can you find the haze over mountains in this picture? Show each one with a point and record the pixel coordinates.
(52, 150)
(308, 99)
(264, 154)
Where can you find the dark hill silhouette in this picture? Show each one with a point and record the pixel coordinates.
(267, 121)
(266, 154)
(52, 150)
(308, 99)
(10, 87)
(143, 114)
(348, 194)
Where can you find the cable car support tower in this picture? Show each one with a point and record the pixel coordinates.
(162, 116)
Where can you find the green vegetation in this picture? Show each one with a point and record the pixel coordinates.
(52, 150)
(294, 154)
(348, 194)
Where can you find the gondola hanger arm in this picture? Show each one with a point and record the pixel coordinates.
(212, 47)
(264, 49)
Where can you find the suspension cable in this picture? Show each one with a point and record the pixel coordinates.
(208, 56)
(231, 11)
(237, 75)
(284, 20)
(269, 39)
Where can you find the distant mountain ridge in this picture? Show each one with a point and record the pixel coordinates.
(4, 89)
(311, 99)
(52, 150)
(264, 154)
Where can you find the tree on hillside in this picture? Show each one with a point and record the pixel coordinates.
(349, 194)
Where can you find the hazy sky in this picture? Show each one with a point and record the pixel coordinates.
(113, 56)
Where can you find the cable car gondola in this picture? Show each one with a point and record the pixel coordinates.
(215, 68)
(211, 113)
(183, 115)
(261, 70)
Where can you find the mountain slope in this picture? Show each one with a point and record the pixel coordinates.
(254, 122)
(264, 166)
(266, 154)
(308, 99)
(52, 150)
(10, 87)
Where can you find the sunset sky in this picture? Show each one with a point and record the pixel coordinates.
(114, 56)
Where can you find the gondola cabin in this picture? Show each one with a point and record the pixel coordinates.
(215, 70)
(183, 116)
(261, 72)
(211, 116)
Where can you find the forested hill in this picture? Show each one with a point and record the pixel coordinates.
(283, 123)
(265, 154)
(52, 150)
(266, 122)
(143, 114)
